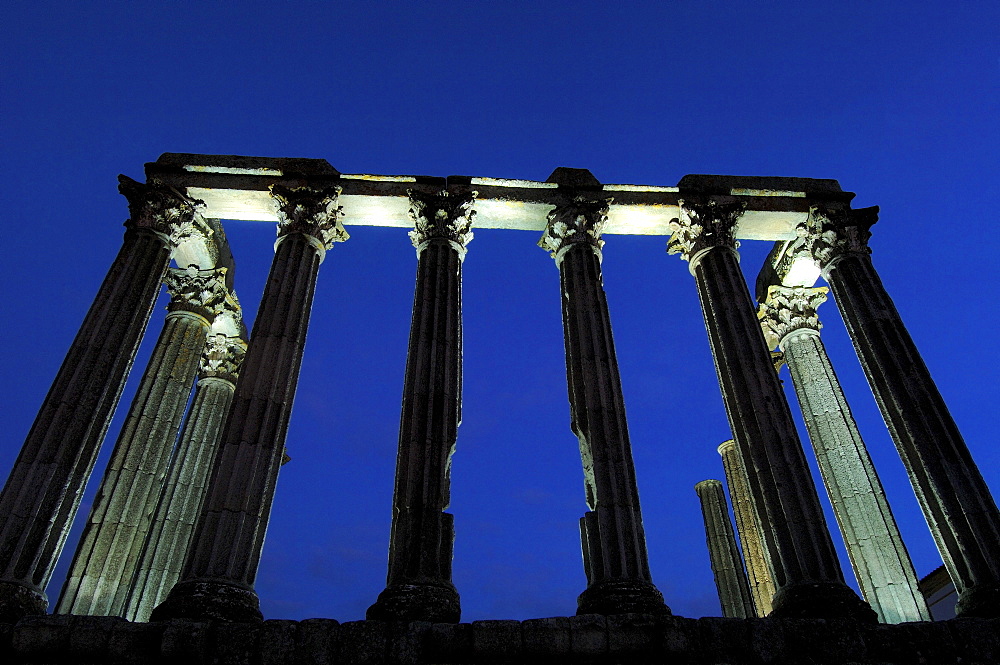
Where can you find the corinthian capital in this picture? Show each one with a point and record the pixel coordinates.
(442, 215)
(161, 209)
(580, 221)
(704, 224)
(200, 291)
(830, 233)
(310, 211)
(790, 308)
(222, 357)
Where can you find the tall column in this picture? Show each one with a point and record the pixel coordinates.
(955, 499)
(805, 567)
(419, 586)
(878, 555)
(221, 565)
(43, 492)
(109, 548)
(751, 541)
(727, 566)
(614, 543)
(162, 557)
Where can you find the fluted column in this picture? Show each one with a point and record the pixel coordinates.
(162, 556)
(218, 575)
(727, 566)
(614, 543)
(878, 555)
(806, 571)
(751, 541)
(419, 586)
(105, 559)
(43, 492)
(956, 501)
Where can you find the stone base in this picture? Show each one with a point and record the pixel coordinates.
(205, 600)
(621, 597)
(822, 600)
(437, 603)
(18, 601)
(982, 600)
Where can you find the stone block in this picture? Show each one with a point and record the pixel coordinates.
(406, 642)
(632, 635)
(362, 642)
(588, 634)
(235, 643)
(6, 643)
(824, 641)
(547, 637)
(923, 642)
(316, 642)
(277, 642)
(186, 642)
(448, 642)
(134, 643)
(39, 637)
(678, 638)
(497, 641)
(725, 640)
(977, 640)
(89, 637)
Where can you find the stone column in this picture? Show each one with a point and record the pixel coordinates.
(751, 541)
(43, 492)
(112, 540)
(221, 565)
(955, 499)
(878, 555)
(419, 586)
(727, 566)
(162, 557)
(804, 563)
(614, 543)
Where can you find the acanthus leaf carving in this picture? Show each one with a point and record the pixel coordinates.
(203, 292)
(161, 209)
(582, 220)
(311, 211)
(222, 357)
(829, 233)
(442, 215)
(704, 223)
(790, 308)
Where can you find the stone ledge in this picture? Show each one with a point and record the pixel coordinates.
(589, 639)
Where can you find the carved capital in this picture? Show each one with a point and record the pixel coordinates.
(222, 357)
(580, 221)
(200, 291)
(161, 209)
(788, 309)
(830, 233)
(704, 223)
(310, 211)
(442, 215)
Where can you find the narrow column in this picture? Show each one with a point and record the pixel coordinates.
(751, 542)
(43, 492)
(806, 571)
(956, 501)
(614, 544)
(878, 555)
(419, 586)
(162, 557)
(218, 575)
(727, 566)
(105, 559)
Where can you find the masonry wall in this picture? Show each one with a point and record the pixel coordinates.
(594, 639)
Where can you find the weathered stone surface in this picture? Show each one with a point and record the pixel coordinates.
(134, 643)
(236, 643)
(633, 636)
(277, 642)
(803, 560)
(186, 641)
(727, 566)
(547, 637)
(449, 643)
(613, 540)
(363, 642)
(497, 641)
(317, 642)
(588, 634)
(956, 501)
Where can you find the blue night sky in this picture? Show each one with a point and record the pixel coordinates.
(896, 100)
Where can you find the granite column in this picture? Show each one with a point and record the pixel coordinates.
(219, 571)
(614, 543)
(956, 502)
(727, 566)
(42, 494)
(806, 570)
(419, 586)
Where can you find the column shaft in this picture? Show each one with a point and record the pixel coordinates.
(170, 533)
(751, 541)
(105, 559)
(956, 501)
(218, 575)
(727, 566)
